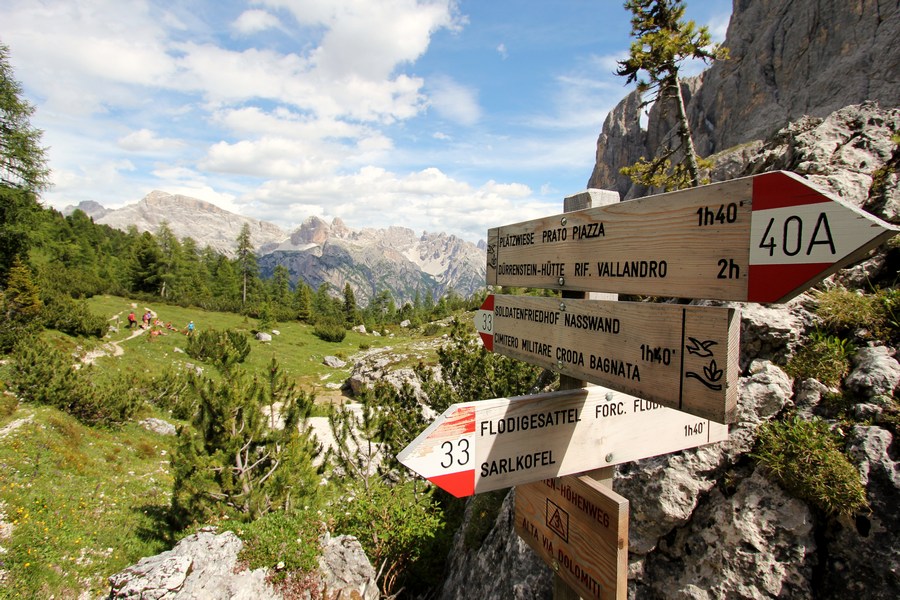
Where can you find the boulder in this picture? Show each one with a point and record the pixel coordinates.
(202, 565)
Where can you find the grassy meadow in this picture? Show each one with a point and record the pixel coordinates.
(78, 503)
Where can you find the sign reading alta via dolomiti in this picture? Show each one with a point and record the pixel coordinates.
(487, 445)
(764, 238)
(580, 528)
(683, 357)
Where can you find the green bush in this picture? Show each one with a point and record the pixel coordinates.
(45, 375)
(330, 331)
(804, 457)
(824, 357)
(222, 348)
(73, 317)
(394, 524)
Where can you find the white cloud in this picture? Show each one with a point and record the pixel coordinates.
(144, 140)
(454, 101)
(254, 21)
(502, 51)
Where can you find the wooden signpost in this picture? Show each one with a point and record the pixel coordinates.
(580, 529)
(764, 238)
(683, 357)
(487, 445)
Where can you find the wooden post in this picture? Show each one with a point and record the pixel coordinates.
(587, 199)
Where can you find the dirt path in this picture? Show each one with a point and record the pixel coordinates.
(110, 348)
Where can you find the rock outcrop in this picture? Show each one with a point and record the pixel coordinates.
(205, 565)
(788, 60)
(371, 261)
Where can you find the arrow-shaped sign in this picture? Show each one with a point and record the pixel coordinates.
(764, 238)
(683, 357)
(492, 444)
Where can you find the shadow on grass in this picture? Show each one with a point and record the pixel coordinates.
(158, 528)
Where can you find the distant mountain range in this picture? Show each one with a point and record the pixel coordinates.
(370, 260)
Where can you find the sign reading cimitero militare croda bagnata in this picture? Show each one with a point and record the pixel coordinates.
(485, 445)
(683, 357)
(764, 238)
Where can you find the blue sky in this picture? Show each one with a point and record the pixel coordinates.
(435, 115)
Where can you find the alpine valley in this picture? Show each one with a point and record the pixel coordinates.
(394, 260)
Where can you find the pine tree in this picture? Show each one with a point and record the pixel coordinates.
(663, 41)
(23, 170)
(246, 260)
(249, 450)
(20, 307)
(351, 311)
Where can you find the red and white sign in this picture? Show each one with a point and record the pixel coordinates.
(764, 238)
(493, 444)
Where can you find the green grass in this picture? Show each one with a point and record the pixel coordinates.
(83, 502)
(805, 458)
(86, 502)
(298, 351)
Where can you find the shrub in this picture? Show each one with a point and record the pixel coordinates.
(73, 317)
(804, 457)
(394, 524)
(330, 331)
(824, 357)
(45, 375)
(223, 348)
(249, 450)
(289, 538)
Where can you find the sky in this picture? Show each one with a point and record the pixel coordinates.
(437, 115)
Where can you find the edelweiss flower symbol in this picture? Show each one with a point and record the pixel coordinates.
(712, 371)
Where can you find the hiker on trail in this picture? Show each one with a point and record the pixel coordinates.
(190, 329)
(132, 320)
(146, 319)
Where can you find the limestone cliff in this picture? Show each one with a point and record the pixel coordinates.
(788, 59)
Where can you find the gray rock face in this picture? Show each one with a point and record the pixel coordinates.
(504, 567)
(863, 556)
(875, 372)
(199, 566)
(345, 570)
(788, 59)
(374, 260)
(206, 223)
(203, 565)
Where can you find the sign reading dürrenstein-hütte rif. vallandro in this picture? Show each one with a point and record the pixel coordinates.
(492, 444)
(683, 357)
(764, 238)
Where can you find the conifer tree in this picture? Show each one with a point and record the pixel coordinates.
(23, 169)
(351, 311)
(246, 260)
(20, 307)
(663, 41)
(249, 450)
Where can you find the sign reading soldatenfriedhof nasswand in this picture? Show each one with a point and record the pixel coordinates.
(764, 238)
(683, 357)
(487, 445)
(580, 529)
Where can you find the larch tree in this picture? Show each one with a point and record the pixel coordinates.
(23, 168)
(663, 41)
